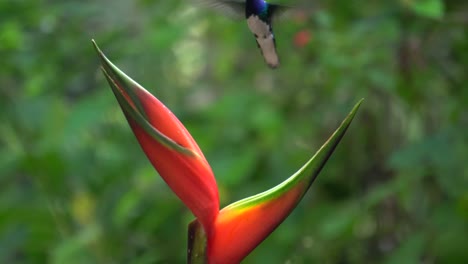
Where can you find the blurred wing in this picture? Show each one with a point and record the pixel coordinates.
(279, 12)
(233, 8)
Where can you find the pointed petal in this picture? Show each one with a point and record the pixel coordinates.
(241, 226)
(167, 144)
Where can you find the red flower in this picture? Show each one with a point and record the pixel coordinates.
(215, 237)
(167, 144)
(302, 38)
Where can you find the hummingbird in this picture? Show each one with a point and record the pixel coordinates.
(259, 15)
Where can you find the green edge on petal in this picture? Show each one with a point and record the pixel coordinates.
(116, 74)
(109, 71)
(305, 175)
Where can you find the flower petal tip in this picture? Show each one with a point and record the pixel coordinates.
(166, 142)
(241, 226)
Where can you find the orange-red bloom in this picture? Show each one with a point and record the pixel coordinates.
(167, 144)
(302, 38)
(215, 237)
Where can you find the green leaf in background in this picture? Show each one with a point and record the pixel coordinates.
(428, 8)
(75, 249)
(410, 251)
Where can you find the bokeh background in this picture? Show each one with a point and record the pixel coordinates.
(76, 188)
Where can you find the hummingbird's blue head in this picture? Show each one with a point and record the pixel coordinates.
(256, 7)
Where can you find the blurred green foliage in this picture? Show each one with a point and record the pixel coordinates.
(76, 188)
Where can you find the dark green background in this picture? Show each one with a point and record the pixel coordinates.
(76, 188)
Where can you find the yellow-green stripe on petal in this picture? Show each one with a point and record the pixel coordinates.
(167, 144)
(241, 226)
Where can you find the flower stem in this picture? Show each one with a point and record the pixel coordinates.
(196, 252)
